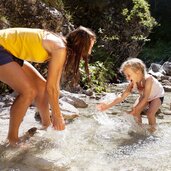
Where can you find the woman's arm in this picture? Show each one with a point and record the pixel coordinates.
(55, 67)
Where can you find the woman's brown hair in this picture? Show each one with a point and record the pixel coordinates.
(78, 44)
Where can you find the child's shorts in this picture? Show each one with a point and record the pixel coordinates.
(161, 98)
(6, 57)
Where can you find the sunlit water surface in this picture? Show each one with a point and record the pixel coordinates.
(93, 142)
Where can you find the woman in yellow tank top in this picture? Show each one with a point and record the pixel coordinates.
(18, 46)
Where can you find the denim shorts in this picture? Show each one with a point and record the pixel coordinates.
(6, 57)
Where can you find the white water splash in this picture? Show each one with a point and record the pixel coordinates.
(109, 97)
(93, 142)
(123, 123)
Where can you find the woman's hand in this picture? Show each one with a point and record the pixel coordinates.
(58, 123)
(102, 106)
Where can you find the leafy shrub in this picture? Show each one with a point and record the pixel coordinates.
(97, 74)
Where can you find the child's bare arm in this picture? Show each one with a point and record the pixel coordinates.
(143, 101)
(120, 98)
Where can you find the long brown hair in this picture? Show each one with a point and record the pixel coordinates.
(78, 44)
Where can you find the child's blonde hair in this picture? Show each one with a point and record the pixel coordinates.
(135, 64)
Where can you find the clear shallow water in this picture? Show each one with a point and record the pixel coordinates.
(93, 142)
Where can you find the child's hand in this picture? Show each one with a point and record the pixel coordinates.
(102, 106)
(132, 112)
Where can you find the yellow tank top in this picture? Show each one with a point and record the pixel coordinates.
(24, 43)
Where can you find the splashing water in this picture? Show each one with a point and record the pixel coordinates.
(108, 97)
(95, 141)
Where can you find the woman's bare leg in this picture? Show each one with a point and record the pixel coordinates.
(41, 100)
(13, 75)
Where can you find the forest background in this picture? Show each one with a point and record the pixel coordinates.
(131, 28)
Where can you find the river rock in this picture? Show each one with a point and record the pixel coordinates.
(73, 99)
(68, 111)
(155, 67)
(76, 102)
(167, 88)
(167, 112)
(167, 67)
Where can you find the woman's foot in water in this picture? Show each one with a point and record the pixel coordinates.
(21, 142)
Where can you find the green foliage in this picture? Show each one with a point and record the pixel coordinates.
(4, 88)
(111, 73)
(3, 22)
(122, 28)
(97, 74)
(140, 10)
(158, 49)
(58, 4)
(158, 52)
(100, 75)
(99, 53)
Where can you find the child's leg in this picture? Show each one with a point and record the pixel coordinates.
(153, 108)
(138, 113)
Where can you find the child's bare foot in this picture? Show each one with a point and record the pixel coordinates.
(152, 129)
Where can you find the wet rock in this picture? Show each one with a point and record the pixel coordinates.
(67, 108)
(165, 77)
(76, 102)
(37, 116)
(155, 67)
(167, 68)
(32, 131)
(68, 111)
(68, 117)
(73, 99)
(167, 88)
(88, 92)
(157, 75)
(97, 97)
(160, 116)
(167, 112)
(166, 82)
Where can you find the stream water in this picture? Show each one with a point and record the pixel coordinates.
(96, 141)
